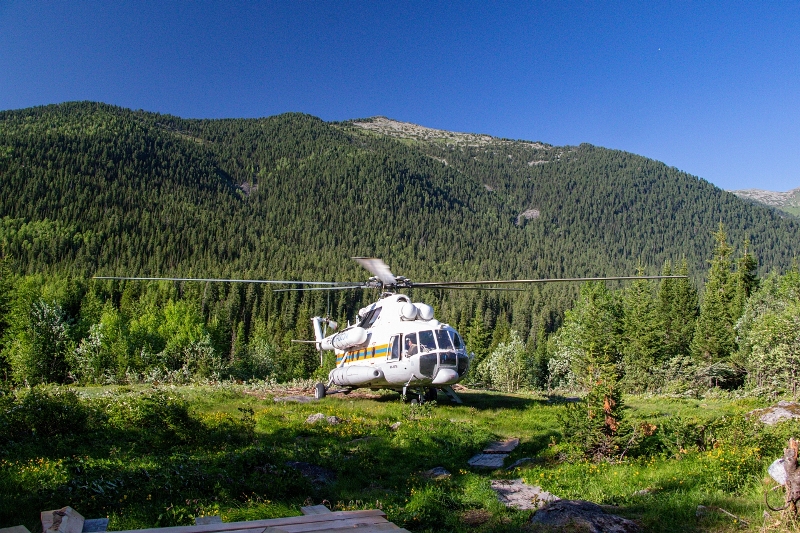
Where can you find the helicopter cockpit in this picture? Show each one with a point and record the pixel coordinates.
(440, 348)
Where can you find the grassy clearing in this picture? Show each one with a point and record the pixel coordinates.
(148, 457)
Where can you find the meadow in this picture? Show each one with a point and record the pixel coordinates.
(149, 456)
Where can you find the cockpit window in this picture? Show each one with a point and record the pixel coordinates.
(443, 339)
(426, 341)
(457, 342)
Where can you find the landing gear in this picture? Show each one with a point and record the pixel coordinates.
(419, 396)
(319, 391)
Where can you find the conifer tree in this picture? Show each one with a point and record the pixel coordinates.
(745, 281)
(714, 339)
(642, 333)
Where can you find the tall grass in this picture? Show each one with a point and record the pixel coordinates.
(159, 456)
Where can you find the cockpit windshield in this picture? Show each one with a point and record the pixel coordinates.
(458, 344)
(426, 341)
(443, 339)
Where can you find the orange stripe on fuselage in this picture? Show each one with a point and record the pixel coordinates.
(363, 354)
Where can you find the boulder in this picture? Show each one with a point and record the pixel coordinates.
(515, 493)
(779, 412)
(581, 515)
(436, 473)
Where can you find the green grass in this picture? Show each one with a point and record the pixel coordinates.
(149, 457)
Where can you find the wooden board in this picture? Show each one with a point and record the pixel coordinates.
(331, 520)
(314, 509)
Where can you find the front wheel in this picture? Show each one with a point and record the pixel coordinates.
(431, 394)
(319, 391)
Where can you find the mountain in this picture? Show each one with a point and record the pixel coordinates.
(90, 188)
(788, 202)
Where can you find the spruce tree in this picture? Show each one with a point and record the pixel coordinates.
(714, 339)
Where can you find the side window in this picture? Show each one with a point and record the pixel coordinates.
(394, 349)
(410, 346)
(426, 341)
(457, 342)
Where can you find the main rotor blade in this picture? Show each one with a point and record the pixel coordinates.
(378, 268)
(223, 280)
(545, 280)
(465, 288)
(342, 288)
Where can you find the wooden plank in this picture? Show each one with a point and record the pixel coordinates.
(264, 523)
(211, 519)
(347, 523)
(314, 509)
(15, 529)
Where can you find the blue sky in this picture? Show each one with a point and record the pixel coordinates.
(712, 88)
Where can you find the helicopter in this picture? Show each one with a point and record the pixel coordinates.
(394, 343)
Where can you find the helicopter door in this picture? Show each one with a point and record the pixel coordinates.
(395, 369)
(394, 348)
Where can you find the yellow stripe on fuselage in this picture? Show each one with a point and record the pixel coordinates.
(364, 354)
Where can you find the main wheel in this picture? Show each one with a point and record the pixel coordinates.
(431, 394)
(319, 391)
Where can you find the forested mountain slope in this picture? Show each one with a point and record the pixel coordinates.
(91, 188)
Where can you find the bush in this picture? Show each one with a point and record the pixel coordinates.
(41, 412)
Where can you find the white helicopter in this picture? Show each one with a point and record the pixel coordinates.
(394, 343)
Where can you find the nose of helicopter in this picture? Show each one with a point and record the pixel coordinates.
(445, 376)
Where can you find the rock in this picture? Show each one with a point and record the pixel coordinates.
(395, 426)
(777, 471)
(644, 492)
(488, 460)
(313, 473)
(436, 473)
(582, 516)
(503, 446)
(520, 462)
(702, 511)
(297, 399)
(779, 412)
(332, 420)
(515, 493)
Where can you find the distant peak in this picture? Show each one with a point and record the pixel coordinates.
(407, 130)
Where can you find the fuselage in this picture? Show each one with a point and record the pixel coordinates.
(395, 344)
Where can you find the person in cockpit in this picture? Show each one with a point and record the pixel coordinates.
(411, 348)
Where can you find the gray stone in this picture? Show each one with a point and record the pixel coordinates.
(488, 460)
(503, 446)
(520, 462)
(333, 420)
(515, 493)
(582, 516)
(315, 474)
(777, 471)
(313, 419)
(779, 412)
(296, 399)
(436, 473)
(395, 426)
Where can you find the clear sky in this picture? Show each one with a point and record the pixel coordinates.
(712, 88)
